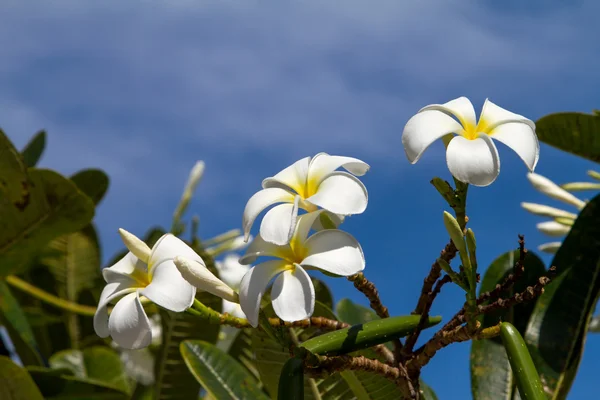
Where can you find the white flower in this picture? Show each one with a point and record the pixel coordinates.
(293, 294)
(307, 184)
(471, 156)
(149, 273)
(232, 272)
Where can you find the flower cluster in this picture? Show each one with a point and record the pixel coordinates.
(306, 204)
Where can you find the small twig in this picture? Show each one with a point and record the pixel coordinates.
(412, 339)
(370, 291)
(530, 293)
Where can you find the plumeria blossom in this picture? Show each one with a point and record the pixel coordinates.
(142, 272)
(471, 155)
(293, 294)
(308, 184)
(562, 220)
(231, 272)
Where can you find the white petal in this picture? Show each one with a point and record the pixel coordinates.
(293, 295)
(135, 245)
(341, 193)
(294, 177)
(461, 108)
(550, 248)
(522, 139)
(260, 247)
(110, 292)
(323, 164)
(425, 128)
(279, 222)
(233, 309)
(168, 289)
(547, 211)
(231, 271)
(127, 269)
(553, 228)
(473, 161)
(493, 115)
(199, 276)
(254, 285)
(128, 323)
(551, 189)
(334, 251)
(167, 248)
(261, 200)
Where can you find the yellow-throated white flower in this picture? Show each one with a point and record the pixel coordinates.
(308, 184)
(231, 272)
(471, 155)
(142, 272)
(293, 294)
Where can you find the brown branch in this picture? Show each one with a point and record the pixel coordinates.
(315, 322)
(370, 291)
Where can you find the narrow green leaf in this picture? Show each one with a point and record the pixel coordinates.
(291, 380)
(528, 380)
(15, 382)
(33, 150)
(573, 132)
(173, 379)
(427, 392)
(218, 373)
(241, 351)
(352, 313)
(558, 325)
(491, 376)
(93, 182)
(60, 384)
(19, 330)
(96, 363)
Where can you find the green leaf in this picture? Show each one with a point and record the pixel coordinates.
(60, 384)
(427, 392)
(291, 380)
(93, 182)
(15, 382)
(322, 292)
(526, 376)
(33, 150)
(15, 321)
(173, 379)
(96, 363)
(218, 373)
(271, 356)
(50, 205)
(352, 313)
(241, 351)
(558, 325)
(573, 132)
(491, 375)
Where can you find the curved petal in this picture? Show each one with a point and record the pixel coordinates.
(425, 128)
(551, 189)
(303, 227)
(293, 295)
(341, 193)
(128, 323)
(461, 108)
(168, 289)
(231, 271)
(493, 115)
(522, 139)
(334, 251)
(169, 247)
(127, 269)
(110, 292)
(261, 200)
(473, 161)
(323, 164)
(254, 285)
(294, 177)
(553, 228)
(260, 247)
(278, 224)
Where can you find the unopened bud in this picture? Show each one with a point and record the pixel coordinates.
(199, 276)
(135, 245)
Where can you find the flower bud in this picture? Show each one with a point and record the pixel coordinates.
(199, 276)
(135, 245)
(551, 189)
(455, 232)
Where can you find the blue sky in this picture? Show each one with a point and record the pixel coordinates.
(144, 89)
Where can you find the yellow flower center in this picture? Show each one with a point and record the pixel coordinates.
(142, 278)
(471, 132)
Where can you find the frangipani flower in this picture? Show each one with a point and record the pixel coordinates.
(562, 220)
(471, 156)
(308, 184)
(293, 294)
(142, 272)
(231, 272)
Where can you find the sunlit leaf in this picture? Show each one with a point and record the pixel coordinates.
(15, 382)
